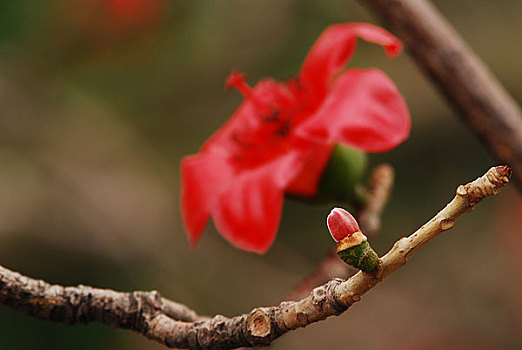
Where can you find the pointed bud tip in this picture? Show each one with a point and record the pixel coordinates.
(341, 224)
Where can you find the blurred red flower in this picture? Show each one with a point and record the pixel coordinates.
(102, 23)
(281, 137)
(129, 14)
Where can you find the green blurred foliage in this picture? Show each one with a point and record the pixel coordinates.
(95, 120)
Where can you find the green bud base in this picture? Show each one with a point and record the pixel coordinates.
(361, 256)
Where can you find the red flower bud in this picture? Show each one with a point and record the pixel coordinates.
(341, 224)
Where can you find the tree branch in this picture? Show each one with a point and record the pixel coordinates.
(177, 326)
(369, 218)
(83, 304)
(484, 105)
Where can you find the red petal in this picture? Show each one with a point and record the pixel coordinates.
(305, 183)
(203, 178)
(249, 211)
(364, 110)
(334, 48)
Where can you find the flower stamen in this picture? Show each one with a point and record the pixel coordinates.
(237, 80)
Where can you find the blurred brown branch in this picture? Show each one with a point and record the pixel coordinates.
(84, 304)
(369, 218)
(175, 325)
(484, 105)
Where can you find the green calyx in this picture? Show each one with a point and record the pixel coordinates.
(341, 178)
(360, 256)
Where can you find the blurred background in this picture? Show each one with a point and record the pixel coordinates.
(100, 100)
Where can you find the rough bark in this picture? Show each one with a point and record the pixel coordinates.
(84, 304)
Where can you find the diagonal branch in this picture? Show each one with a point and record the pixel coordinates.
(177, 326)
(484, 105)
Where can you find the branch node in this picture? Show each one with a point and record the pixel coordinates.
(461, 191)
(338, 306)
(258, 323)
(154, 298)
(446, 224)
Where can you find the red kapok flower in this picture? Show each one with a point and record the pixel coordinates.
(102, 23)
(281, 137)
(134, 13)
(341, 224)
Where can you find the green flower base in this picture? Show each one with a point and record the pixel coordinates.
(361, 256)
(341, 179)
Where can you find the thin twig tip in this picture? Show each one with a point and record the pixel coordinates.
(504, 170)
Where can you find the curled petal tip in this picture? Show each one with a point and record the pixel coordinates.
(341, 224)
(393, 50)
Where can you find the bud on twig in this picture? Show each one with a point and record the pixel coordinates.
(352, 245)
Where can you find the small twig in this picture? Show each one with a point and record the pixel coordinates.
(369, 218)
(467, 196)
(379, 191)
(487, 109)
(144, 312)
